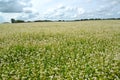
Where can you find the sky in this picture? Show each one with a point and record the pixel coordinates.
(30, 10)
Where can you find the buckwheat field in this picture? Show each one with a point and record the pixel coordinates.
(84, 50)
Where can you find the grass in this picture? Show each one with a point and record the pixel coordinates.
(86, 50)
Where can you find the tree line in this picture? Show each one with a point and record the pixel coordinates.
(22, 21)
(17, 21)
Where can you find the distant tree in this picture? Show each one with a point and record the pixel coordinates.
(118, 18)
(77, 20)
(12, 20)
(29, 21)
(59, 20)
(42, 21)
(91, 19)
(19, 21)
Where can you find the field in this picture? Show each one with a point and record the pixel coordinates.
(86, 50)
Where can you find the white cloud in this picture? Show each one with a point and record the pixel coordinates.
(58, 9)
(1, 17)
(29, 10)
(80, 11)
(28, 16)
(7, 16)
(118, 12)
(14, 6)
(88, 0)
(64, 12)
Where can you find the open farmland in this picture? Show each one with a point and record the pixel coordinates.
(60, 51)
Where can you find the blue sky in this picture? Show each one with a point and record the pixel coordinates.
(58, 9)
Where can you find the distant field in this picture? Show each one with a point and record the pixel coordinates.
(86, 50)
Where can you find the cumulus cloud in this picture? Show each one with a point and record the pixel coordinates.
(118, 12)
(14, 6)
(105, 9)
(50, 9)
(28, 10)
(64, 12)
(108, 8)
(28, 16)
(1, 18)
(114, 2)
(88, 0)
